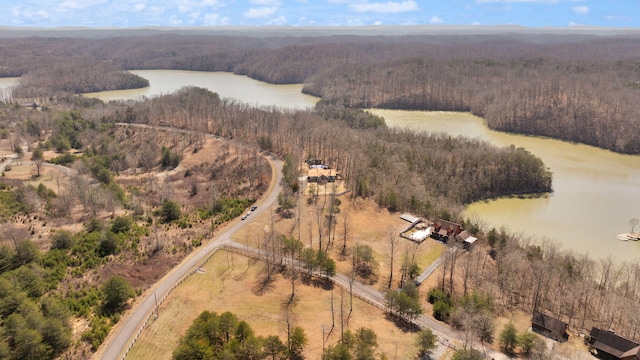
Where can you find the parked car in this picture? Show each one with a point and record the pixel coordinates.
(253, 208)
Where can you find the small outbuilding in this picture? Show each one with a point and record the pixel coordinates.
(608, 345)
(466, 238)
(549, 326)
(410, 218)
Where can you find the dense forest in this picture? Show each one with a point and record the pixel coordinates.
(576, 88)
(430, 174)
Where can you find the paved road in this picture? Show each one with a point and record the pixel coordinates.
(446, 335)
(121, 336)
(430, 269)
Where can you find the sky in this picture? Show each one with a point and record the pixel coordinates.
(189, 13)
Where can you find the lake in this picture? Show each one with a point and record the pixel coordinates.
(596, 192)
(227, 85)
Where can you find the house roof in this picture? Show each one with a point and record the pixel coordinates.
(470, 240)
(444, 224)
(320, 172)
(409, 218)
(612, 343)
(550, 323)
(631, 354)
(466, 236)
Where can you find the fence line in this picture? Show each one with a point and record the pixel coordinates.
(154, 312)
(257, 254)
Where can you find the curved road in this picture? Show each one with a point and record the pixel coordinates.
(119, 339)
(121, 336)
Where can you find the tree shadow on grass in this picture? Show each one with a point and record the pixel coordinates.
(265, 282)
(322, 283)
(402, 324)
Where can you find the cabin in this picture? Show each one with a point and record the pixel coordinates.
(410, 218)
(443, 230)
(322, 175)
(548, 326)
(608, 345)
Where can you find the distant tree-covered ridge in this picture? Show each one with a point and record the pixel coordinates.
(581, 89)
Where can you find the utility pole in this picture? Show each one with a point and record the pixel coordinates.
(155, 296)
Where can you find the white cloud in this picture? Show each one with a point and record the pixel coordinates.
(214, 19)
(386, 7)
(580, 9)
(78, 5)
(436, 20)
(267, 2)
(261, 12)
(618, 18)
(278, 21)
(353, 22)
(377, 23)
(139, 7)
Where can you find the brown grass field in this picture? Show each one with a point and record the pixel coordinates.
(229, 284)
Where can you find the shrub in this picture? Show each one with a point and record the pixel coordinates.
(508, 338)
(62, 239)
(441, 310)
(121, 224)
(116, 292)
(436, 294)
(170, 211)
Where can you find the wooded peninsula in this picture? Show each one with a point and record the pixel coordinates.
(147, 182)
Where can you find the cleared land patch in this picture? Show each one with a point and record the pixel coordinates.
(229, 283)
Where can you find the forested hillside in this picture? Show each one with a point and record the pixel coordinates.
(432, 174)
(576, 88)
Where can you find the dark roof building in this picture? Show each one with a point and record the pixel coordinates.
(549, 326)
(609, 346)
(443, 229)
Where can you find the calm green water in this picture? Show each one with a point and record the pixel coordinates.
(596, 191)
(227, 85)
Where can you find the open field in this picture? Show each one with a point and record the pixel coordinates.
(229, 283)
(367, 224)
